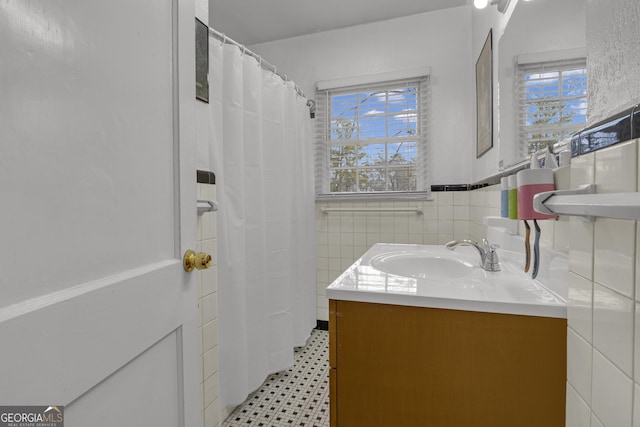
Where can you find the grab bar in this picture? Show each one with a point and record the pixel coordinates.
(408, 209)
(583, 202)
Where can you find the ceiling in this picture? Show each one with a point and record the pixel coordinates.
(257, 21)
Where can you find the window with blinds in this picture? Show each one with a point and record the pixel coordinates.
(372, 138)
(552, 102)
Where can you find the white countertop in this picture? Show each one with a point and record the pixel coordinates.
(509, 291)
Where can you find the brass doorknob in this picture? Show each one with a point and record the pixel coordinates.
(198, 260)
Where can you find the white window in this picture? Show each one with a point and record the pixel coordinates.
(552, 102)
(372, 138)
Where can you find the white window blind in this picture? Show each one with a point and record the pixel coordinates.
(552, 102)
(372, 139)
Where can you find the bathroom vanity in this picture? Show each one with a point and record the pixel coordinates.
(450, 345)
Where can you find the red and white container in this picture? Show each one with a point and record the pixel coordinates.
(530, 183)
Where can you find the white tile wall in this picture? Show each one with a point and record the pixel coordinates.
(208, 303)
(578, 411)
(562, 226)
(636, 405)
(580, 307)
(615, 240)
(342, 237)
(612, 393)
(604, 311)
(614, 254)
(581, 241)
(482, 202)
(579, 372)
(613, 327)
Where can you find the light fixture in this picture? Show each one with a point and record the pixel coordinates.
(502, 4)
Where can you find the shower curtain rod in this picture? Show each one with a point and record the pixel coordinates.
(263, 63)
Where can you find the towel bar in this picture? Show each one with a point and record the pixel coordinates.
(584, 202)
(408, 209)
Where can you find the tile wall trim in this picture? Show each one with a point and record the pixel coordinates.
(621, 127)
(464, 187)
(450, 187)
(205, 177)
(322, 325)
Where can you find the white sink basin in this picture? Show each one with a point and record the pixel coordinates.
(432, 276)
(422, 266)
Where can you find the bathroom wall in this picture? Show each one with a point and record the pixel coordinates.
(604, 299)
(483, 202)
(440, 40)
(563, 35)
(482, 21)
(604, 330)
(208, 304)
(613, 31)
(603, 362)
(211, 413)
(486, 202)
(342, 237)
(517, 32)
(443, 40)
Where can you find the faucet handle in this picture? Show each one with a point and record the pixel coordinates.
(489, 246)
(491, 261)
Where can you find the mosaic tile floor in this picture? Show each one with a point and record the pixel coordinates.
(295, 397)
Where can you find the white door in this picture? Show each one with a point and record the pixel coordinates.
(97, 206)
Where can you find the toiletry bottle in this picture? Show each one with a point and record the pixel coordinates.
(504, 197)
(513, 197)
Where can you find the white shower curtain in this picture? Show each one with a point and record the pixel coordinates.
(261, 155)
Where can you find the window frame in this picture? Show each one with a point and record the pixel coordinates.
(324, 143)
(542, 66)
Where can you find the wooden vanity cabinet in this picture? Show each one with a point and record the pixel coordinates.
(407, 366)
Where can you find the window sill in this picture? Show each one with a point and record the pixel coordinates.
(377, 197)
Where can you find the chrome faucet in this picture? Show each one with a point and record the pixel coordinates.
(488, 256)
